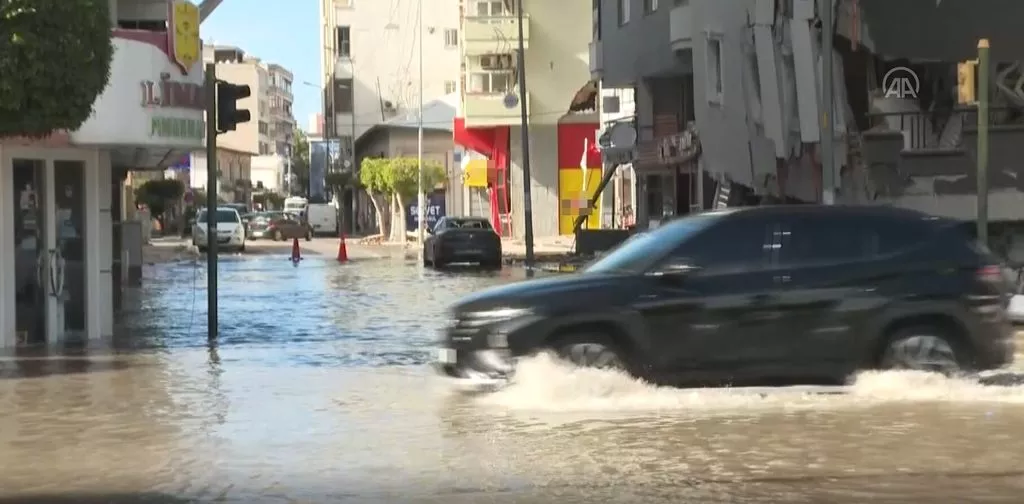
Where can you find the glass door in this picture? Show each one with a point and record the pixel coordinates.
(30, 252)
(69, 254)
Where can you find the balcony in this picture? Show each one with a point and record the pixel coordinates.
(680, 27)
(490, 109)
(596, 59)
(493, 34)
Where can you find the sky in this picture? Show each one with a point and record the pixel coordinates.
(276, 31)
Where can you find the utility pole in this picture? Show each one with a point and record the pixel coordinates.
(525, 126)
(210, 85)
(421, 219)
(828, 170)
(982, 176)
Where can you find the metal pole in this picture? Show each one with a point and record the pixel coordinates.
(288, 168)
(828, 171)
(525, 127)
(983, 78)
(211, 201)
(421, 219)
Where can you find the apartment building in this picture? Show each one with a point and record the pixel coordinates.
(370, 61)
(561, 106)
(263, 141)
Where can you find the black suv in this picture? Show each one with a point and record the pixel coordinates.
(760, 295)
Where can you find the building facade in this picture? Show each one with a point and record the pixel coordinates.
(64, 194)
(270, 132)
(561, 109)
(370, 61)
(729, 102)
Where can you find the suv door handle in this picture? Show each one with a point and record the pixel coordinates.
(783, 279)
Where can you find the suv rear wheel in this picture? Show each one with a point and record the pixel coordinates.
(592, 350)
(923, 348)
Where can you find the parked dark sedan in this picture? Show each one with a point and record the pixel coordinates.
(462, 240)
(279, 226)
(762, 295)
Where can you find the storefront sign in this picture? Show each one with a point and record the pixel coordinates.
(171, 94)
(175, 127)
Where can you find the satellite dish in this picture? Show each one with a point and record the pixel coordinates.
(348, 163)
(622, 135)
(511, 101)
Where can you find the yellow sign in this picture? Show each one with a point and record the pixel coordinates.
(184, 44)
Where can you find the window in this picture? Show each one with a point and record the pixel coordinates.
(491, 8)
(451, 38)
(623, 11)
(821, 239)
(219, 215)
(343, 102)
(343, 41)
(732, 245)
(596, 19)
(639, 252)
(714, 69)
(496, 82)
(264, 148)
(650, 6)
(264, 128)
(449, 87)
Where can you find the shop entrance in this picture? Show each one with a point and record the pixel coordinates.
(46, 243)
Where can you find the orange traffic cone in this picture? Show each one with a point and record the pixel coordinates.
(296, 252)
(342, 250)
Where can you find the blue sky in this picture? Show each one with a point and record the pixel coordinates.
(276, 31)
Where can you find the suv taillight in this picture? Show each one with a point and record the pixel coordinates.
(991, 274)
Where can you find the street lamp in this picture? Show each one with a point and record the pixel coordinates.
(422, 200)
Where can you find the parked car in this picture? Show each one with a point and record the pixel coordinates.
(230, 229)
(462, 240)
(279, 226)
(760, 295)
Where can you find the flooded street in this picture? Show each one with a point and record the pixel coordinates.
(319, 391)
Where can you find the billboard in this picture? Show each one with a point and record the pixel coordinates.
(318, 165)
(434, 211)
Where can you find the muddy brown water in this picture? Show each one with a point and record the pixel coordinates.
(319, 392)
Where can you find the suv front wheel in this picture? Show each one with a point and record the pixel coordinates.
(923, 348)
(591, 350)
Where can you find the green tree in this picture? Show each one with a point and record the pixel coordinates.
(54, 62)
(158, 195)
(393, 183)
(300, 164)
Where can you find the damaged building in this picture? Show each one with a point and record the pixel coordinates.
(729, 102)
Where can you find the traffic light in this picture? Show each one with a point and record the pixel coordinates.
(228, 113)
(965, 82)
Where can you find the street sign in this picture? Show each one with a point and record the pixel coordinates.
(511, 101)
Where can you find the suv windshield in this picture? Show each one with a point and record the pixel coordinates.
(637, 253)
(222, 216)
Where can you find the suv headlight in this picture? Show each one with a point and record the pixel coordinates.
(487, 317)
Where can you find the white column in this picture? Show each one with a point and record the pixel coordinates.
(8, 308)
(103, 237)
(94, 299)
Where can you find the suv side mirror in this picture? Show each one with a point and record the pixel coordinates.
(675, 267)
(430, 230)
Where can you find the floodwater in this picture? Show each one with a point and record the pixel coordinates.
(319, 392)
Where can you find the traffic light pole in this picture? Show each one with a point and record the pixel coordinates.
(211, 201)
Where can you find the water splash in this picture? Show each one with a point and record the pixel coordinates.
(544, 384)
